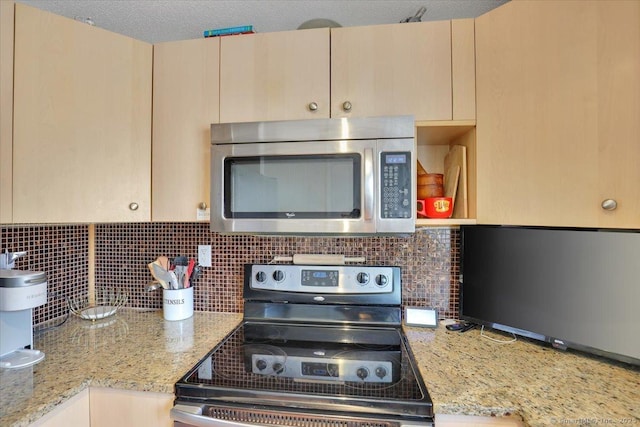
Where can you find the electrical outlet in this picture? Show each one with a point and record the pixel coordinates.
(204, 255)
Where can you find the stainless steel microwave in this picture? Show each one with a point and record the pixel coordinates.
(325, 176)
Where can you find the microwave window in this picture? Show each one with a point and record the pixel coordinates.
(303, 187)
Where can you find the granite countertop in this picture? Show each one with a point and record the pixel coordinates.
(464, 373)
(133, 350)
(468, 374)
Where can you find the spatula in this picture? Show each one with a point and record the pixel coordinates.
(158, 273)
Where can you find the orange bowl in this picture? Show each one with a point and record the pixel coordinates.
(435, 207)
(430, 179)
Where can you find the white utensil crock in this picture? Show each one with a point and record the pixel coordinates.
(177, 304)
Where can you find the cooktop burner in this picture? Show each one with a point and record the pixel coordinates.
(364, 369)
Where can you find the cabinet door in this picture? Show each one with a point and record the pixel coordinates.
(6, 110)
(82, 122)
(463, 69)
(392, 69)
(443, 420)
(274, 76)
(558, 113)
(185, 104)
(618, 77)
(74, 412)
(126, 408)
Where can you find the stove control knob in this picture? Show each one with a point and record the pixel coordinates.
(278, 368)
(261, 276)
(381, 372)
(381, 280)
(261, 364)
(362, 373)
(362, 278)
(278, 275)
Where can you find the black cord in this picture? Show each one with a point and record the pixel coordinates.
(48, 328)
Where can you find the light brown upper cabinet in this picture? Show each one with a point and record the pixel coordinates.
(424, 69)
(185, 104)
(558, 114)
(440, 142)
(274, 76)
(463, 69)
(403, 69)
(6, 110)
(82, 122)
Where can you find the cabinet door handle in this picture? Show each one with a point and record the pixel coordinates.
(133, 206)
(313, 106)
(609, 205)
(369, 184)
(346, 106)
(202, 205)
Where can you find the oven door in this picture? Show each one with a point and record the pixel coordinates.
(195, 416)
(294, 187)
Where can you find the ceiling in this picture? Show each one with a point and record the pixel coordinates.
(167, 20)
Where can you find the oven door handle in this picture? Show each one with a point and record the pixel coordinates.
(192, 416)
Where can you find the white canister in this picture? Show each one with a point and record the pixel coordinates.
(177, 304)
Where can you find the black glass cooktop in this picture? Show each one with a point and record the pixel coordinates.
(343, 368)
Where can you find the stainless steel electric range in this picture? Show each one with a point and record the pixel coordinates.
(319, 346)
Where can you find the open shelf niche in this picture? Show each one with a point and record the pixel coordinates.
(435, 140)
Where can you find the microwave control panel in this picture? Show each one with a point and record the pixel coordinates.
(395, 184)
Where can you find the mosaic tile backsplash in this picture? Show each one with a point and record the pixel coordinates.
(429, 260)
(62, 252)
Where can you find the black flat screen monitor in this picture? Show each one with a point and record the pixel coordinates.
(572, 288)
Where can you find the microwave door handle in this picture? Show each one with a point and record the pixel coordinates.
(368, 184)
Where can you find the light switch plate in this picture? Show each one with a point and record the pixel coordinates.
(419, 316)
